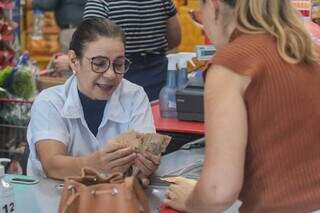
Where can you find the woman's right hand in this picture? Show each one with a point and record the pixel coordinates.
(178, 192)
(113, 158)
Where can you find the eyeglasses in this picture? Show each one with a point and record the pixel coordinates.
(101, 64)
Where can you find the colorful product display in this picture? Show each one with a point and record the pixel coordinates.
(308, 8)
(41, 48)
(192, 35)
(7, 28)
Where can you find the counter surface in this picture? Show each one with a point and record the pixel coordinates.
(175, 125)
(44, 196)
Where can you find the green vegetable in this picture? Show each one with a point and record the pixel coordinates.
(23, 83)
(4, 74)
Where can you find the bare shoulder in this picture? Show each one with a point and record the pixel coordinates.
(221, 77)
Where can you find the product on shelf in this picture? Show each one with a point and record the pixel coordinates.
(316, 12)
(42, 47)
(7, 54)
(192, 35)
(19, 81)
(310, 9)
(7, 28)
(37, 30)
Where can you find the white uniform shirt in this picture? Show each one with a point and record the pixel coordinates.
(57, 114)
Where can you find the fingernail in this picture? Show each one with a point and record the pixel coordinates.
(145, 182)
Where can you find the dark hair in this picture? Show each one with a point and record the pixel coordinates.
(231, 3)
(90, 29)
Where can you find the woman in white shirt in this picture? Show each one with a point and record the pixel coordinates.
(71, 124)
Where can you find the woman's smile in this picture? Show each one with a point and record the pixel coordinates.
(105, 87)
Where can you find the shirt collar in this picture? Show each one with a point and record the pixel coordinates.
(72, 108)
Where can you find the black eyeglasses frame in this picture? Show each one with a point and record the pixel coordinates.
(91, 59)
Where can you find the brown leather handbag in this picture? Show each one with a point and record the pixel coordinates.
(95, 193)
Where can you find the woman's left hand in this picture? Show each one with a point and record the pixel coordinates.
(178, 192)
(146, 163)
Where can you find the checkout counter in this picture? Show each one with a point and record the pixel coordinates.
(45, 195)
(188, 126)
(184, 158)
(181, 132)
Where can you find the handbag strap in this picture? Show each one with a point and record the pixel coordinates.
(71, 200)
(142, 198)
(93, 175)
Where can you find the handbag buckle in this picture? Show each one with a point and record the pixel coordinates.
(114, 191)
(72, 189)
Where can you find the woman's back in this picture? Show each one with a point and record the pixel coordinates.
(282, 170)
(144, 22)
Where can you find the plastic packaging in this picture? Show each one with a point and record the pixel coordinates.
(7, 203)
(23, 83)
(167, 96)
(176, 79)
(205, 52)
(183, 59)
(38, 22)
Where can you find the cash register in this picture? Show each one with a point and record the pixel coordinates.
(190, 99)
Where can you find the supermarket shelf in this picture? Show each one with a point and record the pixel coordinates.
(41, 58)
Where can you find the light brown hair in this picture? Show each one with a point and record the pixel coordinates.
(280, 19)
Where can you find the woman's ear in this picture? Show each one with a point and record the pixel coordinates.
(73, 61)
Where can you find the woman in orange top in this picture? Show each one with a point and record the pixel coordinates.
(262, 112)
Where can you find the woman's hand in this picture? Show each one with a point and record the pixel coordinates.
(61, 63)
(178, 192)
(114, 158)
(146, 163)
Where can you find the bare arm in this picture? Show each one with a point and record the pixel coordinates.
(226, 140)
(58, 164)
(173, 32)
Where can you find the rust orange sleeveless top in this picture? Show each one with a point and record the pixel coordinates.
(282, 168)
